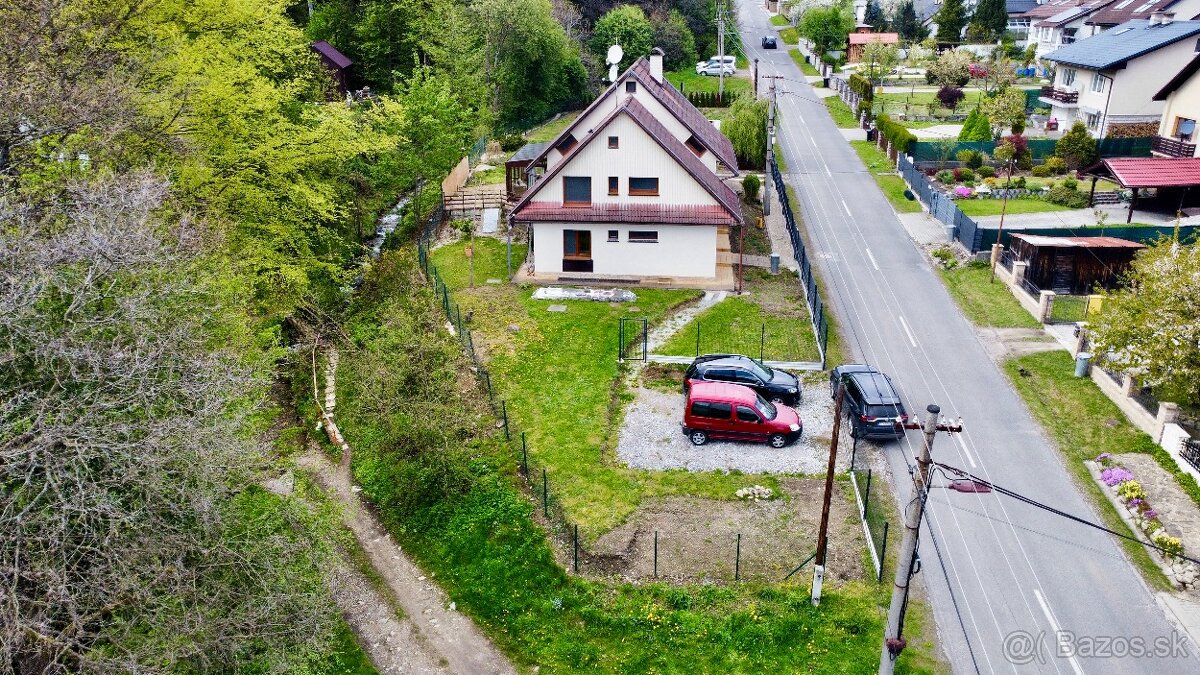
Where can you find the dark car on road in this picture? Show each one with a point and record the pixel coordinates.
(768, 42)
(871, 402)
(772, 384)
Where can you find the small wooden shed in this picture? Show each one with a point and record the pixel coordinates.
(337, 63)
(1073, 265)
(515, 168)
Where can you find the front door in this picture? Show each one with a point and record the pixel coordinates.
(577, 250)
(1064, 272)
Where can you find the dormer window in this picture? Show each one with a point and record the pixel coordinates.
(631, 87)
(694, 145)
(564, 146)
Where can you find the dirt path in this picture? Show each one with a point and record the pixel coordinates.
(437, 639)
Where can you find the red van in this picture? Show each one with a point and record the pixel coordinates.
(737, 413)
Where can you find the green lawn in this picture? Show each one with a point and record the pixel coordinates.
(686, 80)
(442, 480)
(991, 207)
(557, 374)
(1085, 423)
(835, 353)
(841, 113)
(805, 67)
(549, 130)
(773, 317)
(780, 20)
(884, 172)
(790, 36)
(985, 303)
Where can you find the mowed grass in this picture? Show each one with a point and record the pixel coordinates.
(991, 207)
(780, 20)
(884, 172)
(805, 67)
(771, 320)
(790, 36)
(549, 130)
(841, 113)
(558, 375)
(686, 80)
(985, 303)
(1084, 423)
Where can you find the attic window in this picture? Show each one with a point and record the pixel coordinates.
(694, 145)
(613, 142)
(631, 87)
(643, 186)
(564, 146)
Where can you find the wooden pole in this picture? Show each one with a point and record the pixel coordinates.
(823, 536)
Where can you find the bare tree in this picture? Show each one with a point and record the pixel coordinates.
(132, 537)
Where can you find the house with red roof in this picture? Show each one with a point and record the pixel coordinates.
(862, 36)
(632, 191)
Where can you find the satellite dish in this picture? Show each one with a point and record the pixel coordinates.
(612, 73)
(615, 53)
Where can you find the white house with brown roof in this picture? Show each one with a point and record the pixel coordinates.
(632, 191)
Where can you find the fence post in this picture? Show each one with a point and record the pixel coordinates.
(656, 554)
(487, 382)
(882, 552)
(762, 343)
(620, 340)
(867, 494)
(504, 414)
(737, 560)
(577, 549)
(524, 457)
(697, 338)
(645, 340)
(545, 495)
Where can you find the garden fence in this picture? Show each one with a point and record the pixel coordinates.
(942, 206)
(871, 512)
(1040, 149)
(740, 558)
(816, 307)
(769, 343)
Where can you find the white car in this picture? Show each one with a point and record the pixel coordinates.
(715, 68)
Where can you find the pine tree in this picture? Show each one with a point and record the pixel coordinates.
(992, 15)
(950, 20)
(969, 125)
(906, 23)
(874, 17)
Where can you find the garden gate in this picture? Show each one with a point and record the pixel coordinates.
(631, 336)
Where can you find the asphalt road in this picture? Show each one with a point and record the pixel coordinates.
(1024, 581)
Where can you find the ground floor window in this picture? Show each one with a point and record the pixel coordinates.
(644, 236)
(577, 244)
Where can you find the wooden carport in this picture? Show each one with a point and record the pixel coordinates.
(1136, 173)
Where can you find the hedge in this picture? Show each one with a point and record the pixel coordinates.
(896, 134)
(861, 86)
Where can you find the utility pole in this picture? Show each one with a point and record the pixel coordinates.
(893, 640)
(822, 537)
(770, 146)
(721, 52)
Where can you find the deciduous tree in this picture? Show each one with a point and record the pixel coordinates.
(1077, 147)
(627, 26)
(826, 27)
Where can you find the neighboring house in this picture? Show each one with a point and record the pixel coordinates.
(861, 37)
(335, 62)
(1177, 127)
(1121, 11)
(1066, 26)
(1109, 80)
(631, 191)
(1018, 24)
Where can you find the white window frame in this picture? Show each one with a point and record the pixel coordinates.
(1069, 77)
(1098, 79)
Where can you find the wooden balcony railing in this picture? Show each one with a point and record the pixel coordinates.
(1060, 95)
(1172, 147)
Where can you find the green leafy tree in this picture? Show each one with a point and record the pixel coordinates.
(1077, 147)
(880, 59)
(1153, 325)
(746, 128)
(672, 35)
(627, 26)
(992, 16)
(950, 20)
(952, 68)
(908, 24)
(1006, 109)
(826, 27)
(873, 15)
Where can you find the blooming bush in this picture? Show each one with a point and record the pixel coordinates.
(1116, 475)
(963, 192)
(1170, 545)
(1130, 490)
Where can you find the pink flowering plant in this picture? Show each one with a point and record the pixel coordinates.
(963, 192)
(1115, 475)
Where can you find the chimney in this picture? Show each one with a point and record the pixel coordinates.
(1161, 18)
(656, 57)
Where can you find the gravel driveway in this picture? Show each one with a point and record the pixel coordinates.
(651, 438)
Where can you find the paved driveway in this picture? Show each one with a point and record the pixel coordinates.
(1002, 572)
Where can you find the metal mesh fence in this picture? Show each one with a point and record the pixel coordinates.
(871, 511)
(807, 279)
(941, 206)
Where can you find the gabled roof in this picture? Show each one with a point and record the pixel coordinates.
(665, 139)
(1180, 78)
(1141, 172)
(865, 38)
(328, 51)
(1073, 13)
(1050, 8)
(1019, 6)
(666, 94)
(1120, 11)
(1118, 46)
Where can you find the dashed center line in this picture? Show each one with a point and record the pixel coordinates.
(912, 340)
(873, 263)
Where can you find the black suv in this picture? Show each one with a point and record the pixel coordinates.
(774, 385)
(768, 42)
(871, 403)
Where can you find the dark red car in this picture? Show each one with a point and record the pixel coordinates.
(733, 412)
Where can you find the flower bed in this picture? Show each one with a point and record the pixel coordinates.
(1128, 493)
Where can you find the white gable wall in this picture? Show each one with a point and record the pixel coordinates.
(640, 156)
(681, 250)
(648, 101)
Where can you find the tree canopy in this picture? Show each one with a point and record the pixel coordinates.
(950, 20)
(992, 16)
(873, 15)
(906, 22)
(826, 27)
(1077, 147)
(627, 26)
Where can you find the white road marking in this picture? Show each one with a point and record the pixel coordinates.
(844, 206)
(966, 450)
(1057, 629)
(873, 263)
(911, 339)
